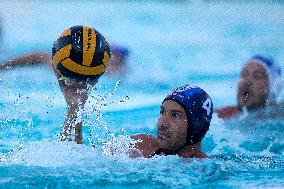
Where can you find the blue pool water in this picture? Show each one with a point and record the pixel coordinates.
(204, 43)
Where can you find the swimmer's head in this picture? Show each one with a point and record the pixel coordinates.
(118, 60)
(120, 51)
(185, 117)
(260, 82)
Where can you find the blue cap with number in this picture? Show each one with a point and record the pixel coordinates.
(199, 109)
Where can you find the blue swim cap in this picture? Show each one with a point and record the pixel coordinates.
(121, 51)
(199, 109)
(273, 71)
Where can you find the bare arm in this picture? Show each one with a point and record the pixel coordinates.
(228, 112)
(72, 122)
(28, 59)
(75, 94)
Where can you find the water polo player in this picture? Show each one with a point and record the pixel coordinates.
(80, 56)
(185, 117)
(116, 66)
(258, 87)
(118, 61)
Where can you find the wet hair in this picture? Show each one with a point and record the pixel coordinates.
(199, 109)
(274, 73)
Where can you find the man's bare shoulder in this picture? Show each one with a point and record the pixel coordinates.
(146, 143)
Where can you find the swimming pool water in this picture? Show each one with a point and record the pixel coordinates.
(204, 43)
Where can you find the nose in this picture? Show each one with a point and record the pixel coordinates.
(248, 80)
(163, 123)
(245, 84)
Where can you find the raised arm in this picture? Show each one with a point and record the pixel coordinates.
(76, 95)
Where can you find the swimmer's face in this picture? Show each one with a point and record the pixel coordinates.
(253, 86)
(172, 126)
(116, 64)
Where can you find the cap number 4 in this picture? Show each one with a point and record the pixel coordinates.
(207, 106)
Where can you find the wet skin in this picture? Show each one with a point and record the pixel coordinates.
(171, 137)
(172, 126)
(116, 65)
(253, 90)
(76, 95)
(253, 87)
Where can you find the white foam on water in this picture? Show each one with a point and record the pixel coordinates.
(48, 153)
(213, 38)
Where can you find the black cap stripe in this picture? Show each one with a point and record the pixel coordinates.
(99, 51)
(107, 48)
(80, 77)
(60, 43)
(76, 53)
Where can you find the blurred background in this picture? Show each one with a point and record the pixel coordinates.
(170, 43)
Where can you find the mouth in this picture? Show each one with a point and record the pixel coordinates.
(163, 136)
(247, 98)
(245, 95)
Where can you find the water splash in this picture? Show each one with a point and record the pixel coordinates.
(48, 153)
(99, 133)
(118, 146)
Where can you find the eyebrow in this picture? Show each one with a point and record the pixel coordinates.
(176, 111)
(173, 110)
